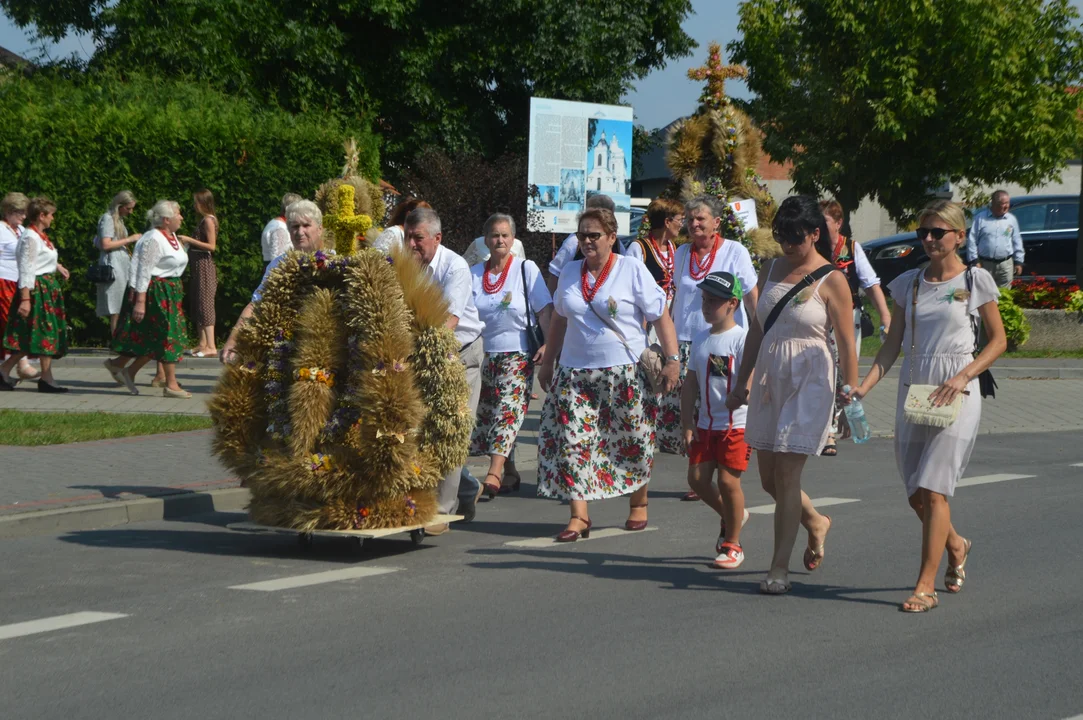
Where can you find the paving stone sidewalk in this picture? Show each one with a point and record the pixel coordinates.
(112, 470)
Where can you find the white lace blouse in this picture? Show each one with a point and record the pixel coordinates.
(155, 257)
(34, 257)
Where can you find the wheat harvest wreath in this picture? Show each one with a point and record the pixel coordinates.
(349, 402)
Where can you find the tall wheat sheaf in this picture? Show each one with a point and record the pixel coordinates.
(368, 449)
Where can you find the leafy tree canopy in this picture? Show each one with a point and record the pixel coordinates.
(889, 98)
(456, 75)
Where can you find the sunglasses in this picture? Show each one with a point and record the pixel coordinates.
(591, 236)
(937, 233)
(790, 239)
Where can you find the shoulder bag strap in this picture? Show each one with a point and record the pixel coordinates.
(975, 322)
(615, 329)
(526, 292)
(812, 277)
(913, 324)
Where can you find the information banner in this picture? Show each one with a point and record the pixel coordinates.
(745, 210)
(577, 150)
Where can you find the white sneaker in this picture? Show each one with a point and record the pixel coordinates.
(731, 557)
(722, 533)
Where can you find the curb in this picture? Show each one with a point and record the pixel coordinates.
(83, 360)
(112, 514)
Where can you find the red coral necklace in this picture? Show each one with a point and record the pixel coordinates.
(666, 263)
(172, 238)
(43, 236)
(699, 270)
(588, 291)
(493, 287)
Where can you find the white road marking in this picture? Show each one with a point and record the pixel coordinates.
(1076, 465)
(818, 502)
(599, 534)
(986, 479)
(60, 622)
(296, 581)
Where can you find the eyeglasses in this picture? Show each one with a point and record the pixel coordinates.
(789, 239)
(937, 233)
(591, 236)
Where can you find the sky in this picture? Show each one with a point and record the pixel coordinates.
(658, 99)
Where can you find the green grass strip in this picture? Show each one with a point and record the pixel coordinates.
(37, 428)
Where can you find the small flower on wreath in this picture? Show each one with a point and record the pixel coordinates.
(398, 366)
(359, 517)
(321, 259)
(315, 374)
(411, 506)
(319, 462)
(251, 366)
(380, 369)
(399, 437)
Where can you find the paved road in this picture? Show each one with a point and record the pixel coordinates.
(633, 625)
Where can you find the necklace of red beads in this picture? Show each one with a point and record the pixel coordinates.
(493, 287)
(43, 236)
(699, 270)
(172, 239)
(588, 291)
(666, 263)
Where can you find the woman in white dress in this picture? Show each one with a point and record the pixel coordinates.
(941, 304)
(112, 241)
(597, 424)
(793, 396)
(502, 286)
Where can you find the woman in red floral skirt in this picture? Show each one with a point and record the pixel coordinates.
(37, 325)
(152, 320)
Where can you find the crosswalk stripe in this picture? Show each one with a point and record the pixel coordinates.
(296, 581)
(60, 622)
(818, 502)
(1078, 465)
(986, 479)
(599, 534)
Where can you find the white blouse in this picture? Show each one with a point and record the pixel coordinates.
(155, 257)
(732, 257)
(35, 257)
(504, 312)
(275, 239)
(629, 297)
(9, 242)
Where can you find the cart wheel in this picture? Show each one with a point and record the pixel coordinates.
(417, 536)
(357, 543)
(304, 541)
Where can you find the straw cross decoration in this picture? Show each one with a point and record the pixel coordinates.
(344, 223)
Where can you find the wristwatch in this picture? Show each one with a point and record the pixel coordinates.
(674, 358)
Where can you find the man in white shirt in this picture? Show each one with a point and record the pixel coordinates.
(449, 271)
(995, 241)
(275, 238)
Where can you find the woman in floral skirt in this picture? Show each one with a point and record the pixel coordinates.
(597, 427)
(502, 285)
(152, 320)
(37, 325)
(13, 212)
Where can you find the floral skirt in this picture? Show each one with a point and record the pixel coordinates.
(506, 379)
(597, 433)
(670, 435)
(44, 332)
(162, 334)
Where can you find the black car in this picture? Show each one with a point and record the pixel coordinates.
(1049, 225)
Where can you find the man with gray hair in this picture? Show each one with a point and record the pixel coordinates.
(570, 247)
(423, 238)
(995, 242)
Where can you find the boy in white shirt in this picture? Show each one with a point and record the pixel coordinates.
(718, 439)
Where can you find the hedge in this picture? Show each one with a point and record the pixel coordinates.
(80, 141)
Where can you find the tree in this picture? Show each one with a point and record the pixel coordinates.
(454, 75)
(889, 99)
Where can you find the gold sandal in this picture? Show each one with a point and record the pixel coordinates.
(922, 602)
(954, 577)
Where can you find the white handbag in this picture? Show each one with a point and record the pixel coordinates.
(918, 409)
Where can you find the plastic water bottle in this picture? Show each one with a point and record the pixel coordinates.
(855, 414)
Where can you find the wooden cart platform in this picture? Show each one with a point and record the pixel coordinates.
(357, 537)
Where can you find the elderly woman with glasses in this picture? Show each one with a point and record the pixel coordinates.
(793, 396)
(597, 427)
(936, 320)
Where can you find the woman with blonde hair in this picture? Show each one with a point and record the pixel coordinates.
(112, 241)
(13, 212)
(37, 323)
(203, 280)
(936, 319)
(152, 322)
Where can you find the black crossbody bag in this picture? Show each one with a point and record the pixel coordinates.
(986, 383)
(806, 281)
(535, 338)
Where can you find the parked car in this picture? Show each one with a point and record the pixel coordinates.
(634, 223)
(1049, 225)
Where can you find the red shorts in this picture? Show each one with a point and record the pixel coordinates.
(728, 450)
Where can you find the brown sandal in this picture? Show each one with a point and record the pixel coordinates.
(634, 525)
(573, 535)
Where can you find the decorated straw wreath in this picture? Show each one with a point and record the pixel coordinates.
(349, 402)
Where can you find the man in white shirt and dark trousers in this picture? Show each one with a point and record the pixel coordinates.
(449, 271)
(994, 240)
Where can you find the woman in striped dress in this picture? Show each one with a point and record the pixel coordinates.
(37, 324)
(152, 321)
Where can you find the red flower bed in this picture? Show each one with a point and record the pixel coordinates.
(1039, 293)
